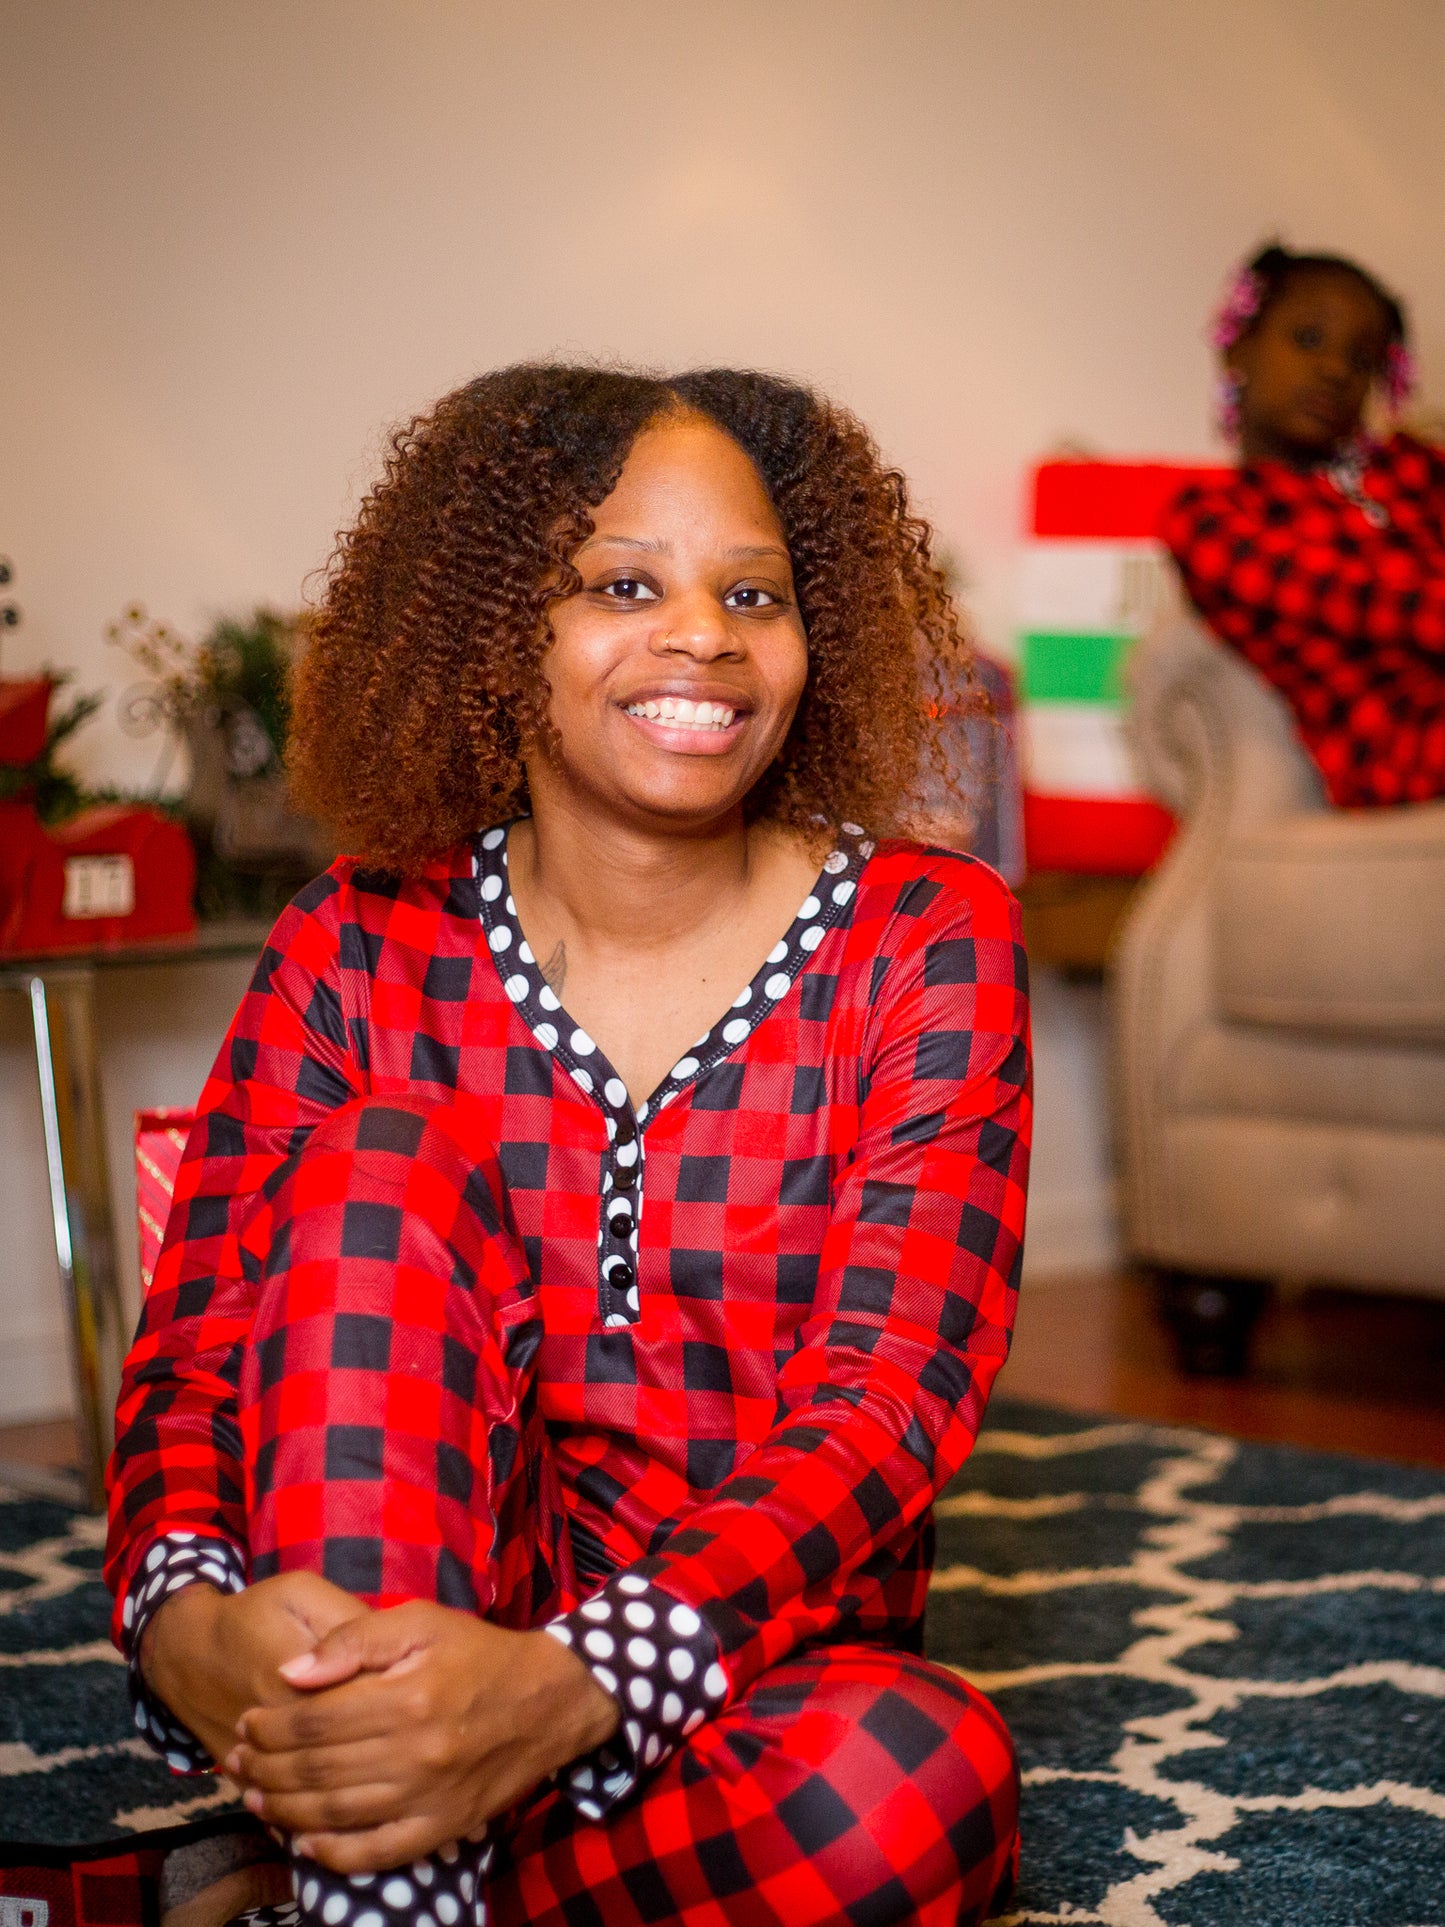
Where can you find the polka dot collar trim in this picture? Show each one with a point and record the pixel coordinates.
(827, 905)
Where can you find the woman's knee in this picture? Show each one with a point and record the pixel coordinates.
(385, 1182)
(982, 1768)
(924, 1725)
(911, 1746)
(389, 1306)
(380, 1140)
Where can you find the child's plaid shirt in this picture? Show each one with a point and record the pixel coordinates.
(1332, 584)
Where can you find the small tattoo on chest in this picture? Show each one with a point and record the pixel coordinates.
(554, 971)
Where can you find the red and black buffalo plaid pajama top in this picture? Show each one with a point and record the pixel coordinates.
(1332, 584)
(440, 1313)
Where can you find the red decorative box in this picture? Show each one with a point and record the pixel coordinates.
(114, 874)
(1111, 501)
(1121, 836)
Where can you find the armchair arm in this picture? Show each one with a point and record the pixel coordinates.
(1211, 738)
(1216, 745)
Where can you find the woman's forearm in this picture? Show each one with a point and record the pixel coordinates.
(189, 1667)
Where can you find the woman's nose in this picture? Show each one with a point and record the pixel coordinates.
(697, 626)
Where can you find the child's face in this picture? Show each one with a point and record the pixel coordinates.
(1307, 367)
(687, 607)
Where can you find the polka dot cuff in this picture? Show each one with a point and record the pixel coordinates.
(447, 1889)
(659, 1660)
(178, 1560)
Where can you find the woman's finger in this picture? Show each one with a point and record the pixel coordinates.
(369, 1707)
(334, 1809)
(313, 1769)
(374, 1849)
(367, 1642)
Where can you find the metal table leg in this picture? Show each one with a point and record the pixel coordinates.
(62, 1008)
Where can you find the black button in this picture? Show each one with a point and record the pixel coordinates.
(626, 1130)
(620, 1277)
(624, 1177)
(619, 1222)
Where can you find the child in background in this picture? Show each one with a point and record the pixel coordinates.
(1323, 560)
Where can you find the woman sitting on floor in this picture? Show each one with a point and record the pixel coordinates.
(602, 1225)
(1323, 560)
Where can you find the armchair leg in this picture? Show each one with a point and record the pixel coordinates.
(1211, 1320)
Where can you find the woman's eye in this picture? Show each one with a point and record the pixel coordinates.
(1308, 337)
(627, 588)
(751, 597)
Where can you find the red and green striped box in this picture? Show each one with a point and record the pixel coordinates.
(1092, 576)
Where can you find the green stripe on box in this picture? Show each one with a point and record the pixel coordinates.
(1074, 668)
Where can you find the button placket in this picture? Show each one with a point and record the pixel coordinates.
(618, 1235)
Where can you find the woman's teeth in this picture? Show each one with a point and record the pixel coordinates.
(683, 714)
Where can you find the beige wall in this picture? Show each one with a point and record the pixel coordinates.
(237, 239)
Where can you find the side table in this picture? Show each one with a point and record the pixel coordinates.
(60, 987)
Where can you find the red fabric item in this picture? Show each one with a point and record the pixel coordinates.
(115, 1886)
(1095, 835)
(1345, 618)
(1114, 501)
(160, 1139)
(392, 1437)
(33, 903)
(829, 1245)
(24, 708)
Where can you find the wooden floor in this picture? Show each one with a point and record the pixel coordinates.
(1338, 1371)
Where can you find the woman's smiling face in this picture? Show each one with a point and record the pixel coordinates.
(676, 669)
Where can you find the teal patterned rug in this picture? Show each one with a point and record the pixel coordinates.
(1224, 1666)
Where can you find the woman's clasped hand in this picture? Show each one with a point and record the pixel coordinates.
(412, 1727)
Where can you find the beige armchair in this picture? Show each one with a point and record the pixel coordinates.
(1278, 1006)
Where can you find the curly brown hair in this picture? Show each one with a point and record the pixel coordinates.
(424, 685)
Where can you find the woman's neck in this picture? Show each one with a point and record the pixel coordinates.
(617, 886)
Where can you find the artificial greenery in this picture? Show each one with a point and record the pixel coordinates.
(231, 690)
(235, 679)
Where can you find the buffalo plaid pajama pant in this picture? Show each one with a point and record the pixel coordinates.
(392, 1442)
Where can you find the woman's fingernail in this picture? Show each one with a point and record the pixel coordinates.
(232, 1763)
(254, 1798)
(301, 1843)
(299, 1667)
